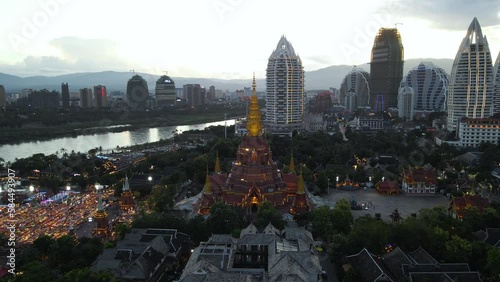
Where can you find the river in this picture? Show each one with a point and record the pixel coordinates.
(106, 140)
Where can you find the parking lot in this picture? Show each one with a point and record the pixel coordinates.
(385, 204)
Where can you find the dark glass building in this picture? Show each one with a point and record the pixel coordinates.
(137, 93)
(386, 69)
(65, 95)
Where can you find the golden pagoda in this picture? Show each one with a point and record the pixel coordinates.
(254, 176)
(126, 198)
(101, 227)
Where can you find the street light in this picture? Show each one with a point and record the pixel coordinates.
(328, 189)
(150, 178)
(32, 188)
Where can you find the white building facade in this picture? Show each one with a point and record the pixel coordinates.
(471, 79)
(284, 90)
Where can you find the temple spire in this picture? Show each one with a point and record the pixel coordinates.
(300, 189)
(254, 86)
(254, 123)
(99, 203)
(217, 164)
(292, 164)
(126, 186)
(208, 186)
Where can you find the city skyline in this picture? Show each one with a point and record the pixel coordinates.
(205, 38)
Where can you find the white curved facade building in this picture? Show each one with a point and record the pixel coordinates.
(284, 90)
(430, 85)
(496, 83)
(471, 81)
(355, 89)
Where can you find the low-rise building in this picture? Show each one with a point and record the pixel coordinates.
(258, 255)
(419, 181)
(458, 205)
(398, 265)
(144, 255)
(473, 132)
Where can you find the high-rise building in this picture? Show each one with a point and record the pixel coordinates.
(44, 99)
(165, 92)
(211, 93)
(496, 85)
(65, 95)
(356, 85)
(194, 94)
(137, 93)
(86, 98)
(100, 96)
(284, 90)
(386, 69)
(406, 102)
(3, 97)
(430, 84)
(471, 81)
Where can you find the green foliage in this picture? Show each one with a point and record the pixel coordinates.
(458, 249)
(87, 275)
(268, 214)
(493, 265)
(224, 219)
(342, 218)
(369, 233)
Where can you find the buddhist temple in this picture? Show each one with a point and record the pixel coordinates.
(254, 176)
(126, 198)
(101, 228)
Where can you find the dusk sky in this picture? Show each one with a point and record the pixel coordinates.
(225, 38)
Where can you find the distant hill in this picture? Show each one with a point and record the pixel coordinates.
(318, 79)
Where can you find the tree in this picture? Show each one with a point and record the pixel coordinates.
(223, 219)
(458, 249)
(369, 233)
(493, 265)
(321, 220)
(341, 217)
(87, 275)
(36, 271)
(268, 214)
(162, 198)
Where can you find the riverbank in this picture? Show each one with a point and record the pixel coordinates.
(37, 132)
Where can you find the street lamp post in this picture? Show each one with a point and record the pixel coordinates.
(337, 182)
(328, 189)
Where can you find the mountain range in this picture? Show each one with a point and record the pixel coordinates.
(319, 79)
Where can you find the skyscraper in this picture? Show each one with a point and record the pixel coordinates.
(355, 85)
(471, 80)
(100, 97)
(284, 90)
(386, 69)
(430, 84)
(165, 92)
(496, 85)
(86, 98)
(137, 93)
(194, 94)
(65, 95)
(405, 102)
(3, 97)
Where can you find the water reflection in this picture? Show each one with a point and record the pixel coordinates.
(107, 141)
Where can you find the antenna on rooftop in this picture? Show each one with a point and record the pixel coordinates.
(396, 24)
(133, 71)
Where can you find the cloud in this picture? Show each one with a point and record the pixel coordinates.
(77, 55)
(448, 14)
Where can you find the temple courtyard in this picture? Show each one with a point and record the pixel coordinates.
(373, 202)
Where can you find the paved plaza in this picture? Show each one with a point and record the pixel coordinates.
(385, 204)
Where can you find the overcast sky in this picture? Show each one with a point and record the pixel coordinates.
(225, 38)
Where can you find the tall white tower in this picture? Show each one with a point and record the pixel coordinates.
(471, 79)
(284, 90)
